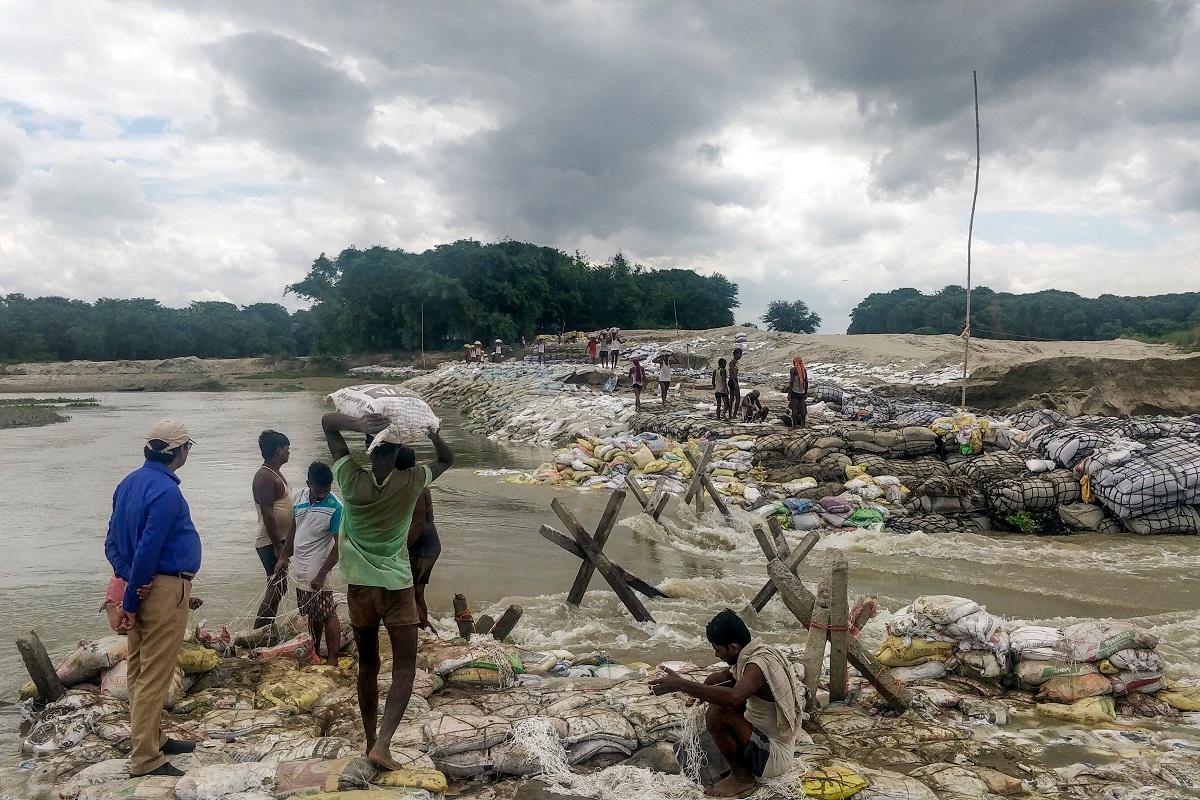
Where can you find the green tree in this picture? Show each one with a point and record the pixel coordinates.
(793, 317)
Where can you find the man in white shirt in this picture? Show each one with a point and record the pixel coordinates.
(312, 553)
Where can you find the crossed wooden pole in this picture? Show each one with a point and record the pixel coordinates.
(701, 483)
(590, 549)
(656, 502)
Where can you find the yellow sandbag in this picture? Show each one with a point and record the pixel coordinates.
(29, 690)
(195, 658)
(642, 456)
(1069, 688)
(473, 676)
(656, 466)
(1089, 711)
(832, 783)
(1180, 698)
(593, 463)
(299, 690)
(724, 473)
(894, 653)
(854, 471)
(584, 445)
(413, 778)
(360, 794)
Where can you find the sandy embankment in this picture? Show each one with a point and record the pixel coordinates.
(1113, 377)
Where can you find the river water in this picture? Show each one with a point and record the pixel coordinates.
(58, 484)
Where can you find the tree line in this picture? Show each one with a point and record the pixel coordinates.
(375, 300)
(1049, 314)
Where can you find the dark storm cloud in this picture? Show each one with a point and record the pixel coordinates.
(297, 98)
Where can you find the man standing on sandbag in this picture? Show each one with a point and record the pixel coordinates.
(735, 380)
(373, 553)
(273, 504)
(754, 710)
(151, 540)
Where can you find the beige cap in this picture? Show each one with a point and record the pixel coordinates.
(170, 431)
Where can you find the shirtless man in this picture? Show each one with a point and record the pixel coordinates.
(273, 504)
(735, 380)
(754, 708)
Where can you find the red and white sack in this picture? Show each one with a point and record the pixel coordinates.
(409, 416)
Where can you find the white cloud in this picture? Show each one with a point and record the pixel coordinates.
(213, 150)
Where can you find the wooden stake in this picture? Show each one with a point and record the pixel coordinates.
(40, 667)
(708, 484)
(462, 616)
(508, 620)
(638, 493)
(484, 623)
(603, 529)
(838, 618)
(781, 543)
(792, 562)
(705, 454)
(800, 602)
(614, 577)
(568, 544)
(818, 634)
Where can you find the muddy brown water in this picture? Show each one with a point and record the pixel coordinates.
(59, 482)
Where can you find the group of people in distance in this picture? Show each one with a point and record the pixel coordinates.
(726, 387)
(473, 353)
(605, 347)
(381, 534)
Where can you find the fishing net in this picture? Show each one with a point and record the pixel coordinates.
(452, 733)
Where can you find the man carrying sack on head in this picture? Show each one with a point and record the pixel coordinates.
(151, 540)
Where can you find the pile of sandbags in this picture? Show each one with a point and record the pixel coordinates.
(953, 633)
(908, 442)
(989, 467)
(909, 471)
(1135, 480)
(1035, 492)
(1071, 668)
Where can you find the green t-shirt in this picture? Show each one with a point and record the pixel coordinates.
(373, 548)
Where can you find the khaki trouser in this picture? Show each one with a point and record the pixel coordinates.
(153, 652)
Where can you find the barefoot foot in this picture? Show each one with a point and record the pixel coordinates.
(732, 786)
(382, 758)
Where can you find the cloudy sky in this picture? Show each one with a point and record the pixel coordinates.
(806, 150)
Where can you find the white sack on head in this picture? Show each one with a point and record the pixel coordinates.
(409, 416)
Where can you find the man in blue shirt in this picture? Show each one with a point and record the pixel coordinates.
(151, 540)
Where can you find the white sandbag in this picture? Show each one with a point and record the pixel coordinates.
(1127, 681)
(1038, 643)
(942, 609)
(807, 521)
(455, 733)
(1097, 639)
(409, 417)
(930, 670)
(1031, 674)
(89, 659)
(981, 663)
(1137, 660)
(217, 781)
(115, 683)
(979, 627)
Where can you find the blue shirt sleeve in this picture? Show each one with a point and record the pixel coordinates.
(164, 511)
(111, 551)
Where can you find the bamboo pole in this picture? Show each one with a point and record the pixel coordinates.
(838, 617)
(970, 236)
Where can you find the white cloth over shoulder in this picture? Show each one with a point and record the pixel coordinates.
(409, 416)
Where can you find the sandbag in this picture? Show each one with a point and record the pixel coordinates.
(832, 783)
(1068, 689)
(1127, 681)
(1038, 642)
(296, 689)
(943, 609)
(895, 653)
(426, 778)
(409, 417)
(115, 683)
(217, 781)
(300, 648)
(146, 787)
(89, 659)
(1181, 698)
(194, 659)
(1089, 711)
(1095, 639)
(927, 671)
(1032, 674)
(1081, 516)
(323, 775)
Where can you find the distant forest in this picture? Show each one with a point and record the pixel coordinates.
(371, 301)
(1049, 314)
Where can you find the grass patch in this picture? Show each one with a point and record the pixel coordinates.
(28, 416)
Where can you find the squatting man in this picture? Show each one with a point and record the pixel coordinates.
(755, 707)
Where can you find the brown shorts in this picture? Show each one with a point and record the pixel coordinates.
(317, 606)
(371, 605)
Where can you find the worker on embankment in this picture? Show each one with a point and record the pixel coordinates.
(752, 408)
(273, 505)
(151, 540)
(373, 552)
(798, 392)
(735, 376)
(424, 544)
(754, 710)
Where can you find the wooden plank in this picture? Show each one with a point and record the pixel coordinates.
(661, 505)
(793, 563)
(40, 667)
(508, 620)
(699, 466)
(462, 616)
(638, 494)
(839, 613)
(607, 520)
(614, 577)
(708, 484)
(781, 543)
(765, 543)
(818, 634)
(568, 544)
(800, 601)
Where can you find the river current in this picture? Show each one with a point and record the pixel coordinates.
(58, 484)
